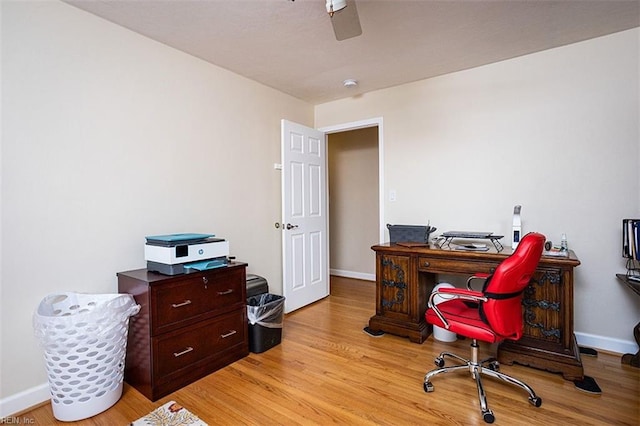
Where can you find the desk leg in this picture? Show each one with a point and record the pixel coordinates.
(401, 297)
(416, 332)
(633, 359)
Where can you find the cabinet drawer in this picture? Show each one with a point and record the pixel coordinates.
(186, 348)
(454, 266)
(191, 297)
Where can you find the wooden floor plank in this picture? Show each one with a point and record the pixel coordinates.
(327, 370)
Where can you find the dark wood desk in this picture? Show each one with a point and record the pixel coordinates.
(405, 277)
(632, 359)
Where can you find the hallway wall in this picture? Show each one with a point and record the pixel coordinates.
(353, 201)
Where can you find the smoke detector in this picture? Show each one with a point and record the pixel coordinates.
(349, 83)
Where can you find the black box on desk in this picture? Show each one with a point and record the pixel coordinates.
(265, 313)
(409, 233)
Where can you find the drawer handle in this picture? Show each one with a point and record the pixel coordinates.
(231, 333)
(179, 305)
(426, 264)
(186, 351)
(222, 293)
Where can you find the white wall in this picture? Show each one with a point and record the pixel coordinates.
(556, 131)
(107, 137)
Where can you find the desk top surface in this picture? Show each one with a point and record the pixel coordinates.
(631, 284)
(450, 252)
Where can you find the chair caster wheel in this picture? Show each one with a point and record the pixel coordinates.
(488, 416)
(439, 362)
(537, 401)
(494, 365)
(428, 387)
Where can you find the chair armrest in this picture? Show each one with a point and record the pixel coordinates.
(453, 293)
(479, 276)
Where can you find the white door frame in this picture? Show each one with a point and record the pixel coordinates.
(355, 125)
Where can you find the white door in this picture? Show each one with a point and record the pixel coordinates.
(305, 267)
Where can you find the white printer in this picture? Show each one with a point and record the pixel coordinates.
(174, 254)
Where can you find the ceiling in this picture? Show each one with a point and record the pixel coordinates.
(290, 45)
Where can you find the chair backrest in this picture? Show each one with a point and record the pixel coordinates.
(504, 289)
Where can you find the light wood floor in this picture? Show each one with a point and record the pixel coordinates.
(326, 370)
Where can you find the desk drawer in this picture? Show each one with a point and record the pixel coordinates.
(183, 300)
(455, 266)
(184, 349)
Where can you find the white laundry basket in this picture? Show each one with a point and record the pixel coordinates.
(84, 337)
(439, 333)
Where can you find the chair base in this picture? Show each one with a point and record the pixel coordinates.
(477, 368)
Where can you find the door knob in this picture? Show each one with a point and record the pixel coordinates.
(290, 226)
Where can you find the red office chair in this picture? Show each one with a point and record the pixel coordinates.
(491, 315)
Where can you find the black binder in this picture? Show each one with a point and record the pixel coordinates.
(631, 238)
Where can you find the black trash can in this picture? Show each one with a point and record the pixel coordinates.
(265, 313)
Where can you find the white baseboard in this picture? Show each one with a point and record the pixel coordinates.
(606, 343)
(351, 274)
(24, 400)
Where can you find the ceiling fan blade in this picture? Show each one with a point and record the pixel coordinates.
(346, 23)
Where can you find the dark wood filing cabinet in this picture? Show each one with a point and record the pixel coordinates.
(189, 326)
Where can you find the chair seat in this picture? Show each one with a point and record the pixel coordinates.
(463, 320)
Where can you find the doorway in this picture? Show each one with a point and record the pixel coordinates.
(354, 153)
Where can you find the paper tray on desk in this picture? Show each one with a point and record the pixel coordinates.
(206, 264)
